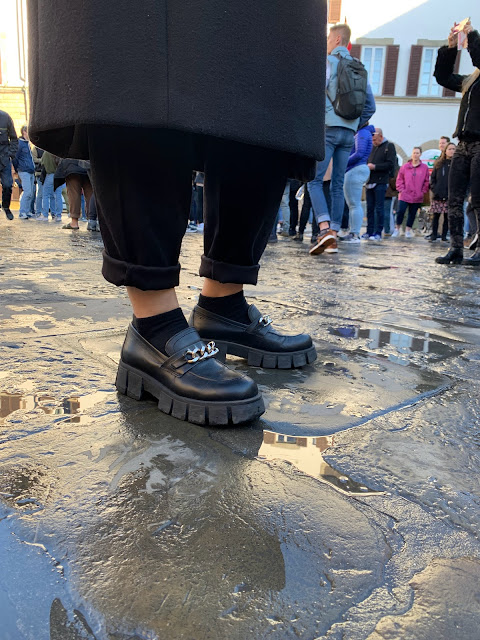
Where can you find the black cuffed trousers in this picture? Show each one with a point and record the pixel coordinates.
(142, 180)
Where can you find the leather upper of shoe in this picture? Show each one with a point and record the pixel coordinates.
(189, 367)
(257, 335)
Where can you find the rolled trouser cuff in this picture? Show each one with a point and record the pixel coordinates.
(125, 274)
(228, 273)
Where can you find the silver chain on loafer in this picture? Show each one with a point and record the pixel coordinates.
(265, 321)
(201, 353)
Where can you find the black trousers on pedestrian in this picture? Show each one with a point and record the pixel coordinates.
(306, 209)
(143, 184)
(293, 205)
(464, 172)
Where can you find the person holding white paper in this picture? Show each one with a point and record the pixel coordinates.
(465, 169)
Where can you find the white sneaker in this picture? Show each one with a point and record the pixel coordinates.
(22, 216)
(396, 233)
(409, 234)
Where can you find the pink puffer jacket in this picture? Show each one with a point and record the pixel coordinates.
(412, 182)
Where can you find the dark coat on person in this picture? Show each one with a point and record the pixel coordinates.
(384, 158)
(23, 160)
(439, 180)
(67, 167)
(8, 139)
(468, 125)
(251, 71)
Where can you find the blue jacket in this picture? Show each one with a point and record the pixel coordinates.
(369, 108)
(362, 147)
(331, 118)
(23, 160)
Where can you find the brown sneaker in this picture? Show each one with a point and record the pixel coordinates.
(332, 248)
(326, 238)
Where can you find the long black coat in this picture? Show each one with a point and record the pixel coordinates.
(252, 71)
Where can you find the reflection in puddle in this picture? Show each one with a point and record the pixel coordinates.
(404, 344)
(11, 402)
(305, 453)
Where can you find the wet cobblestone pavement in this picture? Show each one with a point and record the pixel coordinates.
(351, 510)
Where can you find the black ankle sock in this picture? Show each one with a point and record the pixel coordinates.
(233, 307)
(159, 329)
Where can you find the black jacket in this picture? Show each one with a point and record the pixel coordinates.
(468, 125)
(8, 139)
(231, 70)
(384, 158)
(67, 167)
(439, 181)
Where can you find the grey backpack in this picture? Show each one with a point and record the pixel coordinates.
(352, 80)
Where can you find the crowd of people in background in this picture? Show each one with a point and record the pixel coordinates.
(360, 177)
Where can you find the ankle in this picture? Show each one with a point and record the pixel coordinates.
(215, 289)
(158, 329)
(234, 306)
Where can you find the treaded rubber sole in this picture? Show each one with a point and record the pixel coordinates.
(267, 359)
(321, 246)
(134, 384)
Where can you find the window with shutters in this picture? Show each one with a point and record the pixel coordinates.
(427, 85)
(334, 11)
(373, 59)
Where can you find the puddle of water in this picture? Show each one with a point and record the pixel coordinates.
(404, 344)
(11, 402)
(305, 453)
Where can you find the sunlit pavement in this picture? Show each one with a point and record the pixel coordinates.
(351, 510)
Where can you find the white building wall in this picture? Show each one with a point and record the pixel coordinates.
(9, 43)
(410, 121)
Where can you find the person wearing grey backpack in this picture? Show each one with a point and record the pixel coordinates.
(344, 111)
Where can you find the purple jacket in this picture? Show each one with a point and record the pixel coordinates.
(413, 182)
(361, 149)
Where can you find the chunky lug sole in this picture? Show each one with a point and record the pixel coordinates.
(266, 359)
(134, 384)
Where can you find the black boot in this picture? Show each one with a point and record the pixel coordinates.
(454, 256)
(188, 381)
(474, 261)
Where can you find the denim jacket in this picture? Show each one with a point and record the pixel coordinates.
(331, 118)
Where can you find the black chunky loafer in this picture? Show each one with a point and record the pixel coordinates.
(258, 342)
(189, 383)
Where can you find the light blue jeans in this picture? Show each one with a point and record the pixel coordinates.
(27, 193)
(284, 211)
(338, 145)
(51, 199)
(352, 188)
(39, 197)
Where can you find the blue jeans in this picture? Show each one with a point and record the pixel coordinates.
(284, 210)
(389, 220)
(338, 145)
(376, 209)
(39, 198)
(7, 183)
(412, 207)
(51, 199)
(354, 181)
(27, 193)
